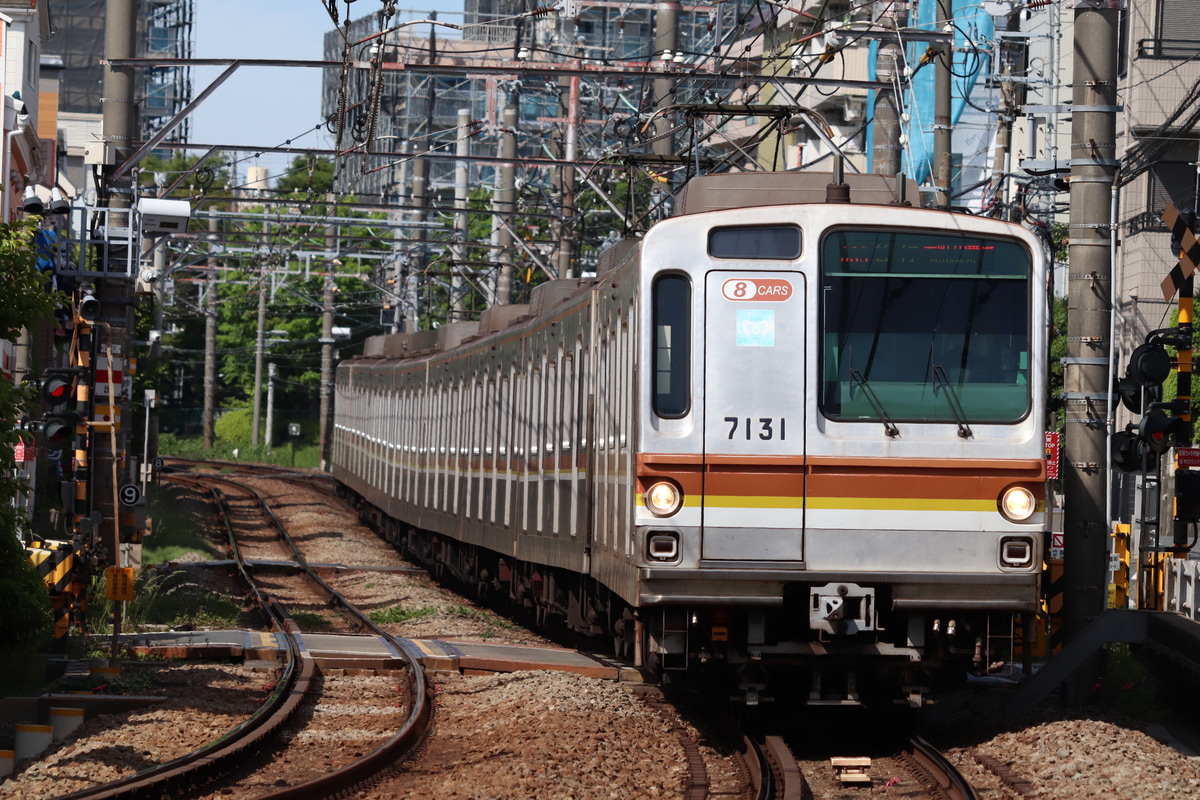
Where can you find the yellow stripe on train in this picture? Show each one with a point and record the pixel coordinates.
(839, 503)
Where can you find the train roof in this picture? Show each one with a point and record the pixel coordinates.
(729, 190)
(542, 299)
(703, 193)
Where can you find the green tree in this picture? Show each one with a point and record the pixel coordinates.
(25, 619)
(1057, 334)
(192, 176)
(307, 175)
(1058, 351)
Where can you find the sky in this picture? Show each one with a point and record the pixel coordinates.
(267, 106)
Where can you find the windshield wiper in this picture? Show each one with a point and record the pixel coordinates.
(960, 416)
(856, 378)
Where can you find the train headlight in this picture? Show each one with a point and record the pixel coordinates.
(1017, 504)
(663, 499)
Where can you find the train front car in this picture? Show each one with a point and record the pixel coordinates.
(841, 465)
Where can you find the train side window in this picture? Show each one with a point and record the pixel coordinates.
(671, 356)
(776, 242)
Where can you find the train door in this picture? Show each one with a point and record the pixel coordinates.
(754, 416)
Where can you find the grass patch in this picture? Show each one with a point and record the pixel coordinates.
(309, 619)
(162, 597)
(390, 616)
(174, 533)
(285, 453)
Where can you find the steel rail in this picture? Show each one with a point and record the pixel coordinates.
(411, 733)
(940, 770)
(180, 774)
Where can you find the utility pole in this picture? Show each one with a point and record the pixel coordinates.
(416, 258)
(258, 350)
(889, 66)
(666, 42)
(566, 183)
(270, 405)
(326, 367)
(458, 250)
(1089, 315)
(115, 320)
(503, 205)
(1012, 97)
(943, 131)
(118, 107)
(210, 353)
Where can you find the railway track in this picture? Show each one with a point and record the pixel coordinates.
(915, 771)
(257, 741)
(772, 772)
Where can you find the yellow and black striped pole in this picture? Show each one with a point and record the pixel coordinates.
(1182, 279)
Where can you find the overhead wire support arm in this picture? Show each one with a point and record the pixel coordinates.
(499, 67)
(175, 121)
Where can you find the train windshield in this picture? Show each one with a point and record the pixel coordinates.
(924, 327)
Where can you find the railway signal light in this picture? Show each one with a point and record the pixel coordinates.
(57, 387)
(1130, 454)
(58, 430)
(1158, 427)
(1148, 367)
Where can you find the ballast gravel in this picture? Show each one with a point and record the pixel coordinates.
(558, 735)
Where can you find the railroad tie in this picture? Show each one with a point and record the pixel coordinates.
(852, 769)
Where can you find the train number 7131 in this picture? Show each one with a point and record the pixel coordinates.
(766, 429)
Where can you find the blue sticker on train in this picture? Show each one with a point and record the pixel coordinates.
(755, 327)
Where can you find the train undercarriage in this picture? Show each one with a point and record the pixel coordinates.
(829, 645)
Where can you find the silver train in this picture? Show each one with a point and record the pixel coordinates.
(784, 438)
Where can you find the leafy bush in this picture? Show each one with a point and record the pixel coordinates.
(234, 427)
(26, 621)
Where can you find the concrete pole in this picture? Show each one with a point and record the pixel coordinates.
(267, 437)
(1012, 97)
(886, 152)
(503, 205)
(943, 132)
(117, 132)
(1089, 315)
(566, 231)
(210, 349)
(666, 38)
(416, 260)
(326, 368)
(458, 308)
(258, 351)
(118, 106)
(396, 269)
